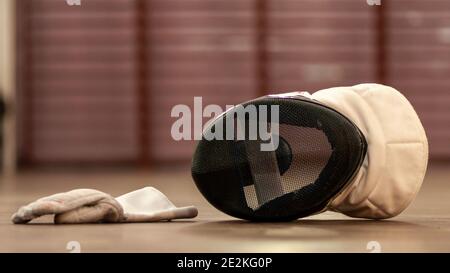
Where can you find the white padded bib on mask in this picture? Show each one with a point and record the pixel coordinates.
(397, 155)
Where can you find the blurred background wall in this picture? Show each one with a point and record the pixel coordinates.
(97, 82)
(7, 87)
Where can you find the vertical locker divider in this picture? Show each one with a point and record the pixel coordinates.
(262, 62)
(143, 89)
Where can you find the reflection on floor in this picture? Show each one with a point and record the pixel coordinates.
(424, 226)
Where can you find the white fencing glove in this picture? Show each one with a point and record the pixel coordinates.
(93, 206)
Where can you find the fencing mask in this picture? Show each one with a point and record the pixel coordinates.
(358, 150)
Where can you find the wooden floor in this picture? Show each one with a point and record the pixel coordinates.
(423, 227)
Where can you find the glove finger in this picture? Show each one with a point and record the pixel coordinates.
(57, 203)
(106, 211)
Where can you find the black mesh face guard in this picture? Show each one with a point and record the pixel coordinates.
(319, 151)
